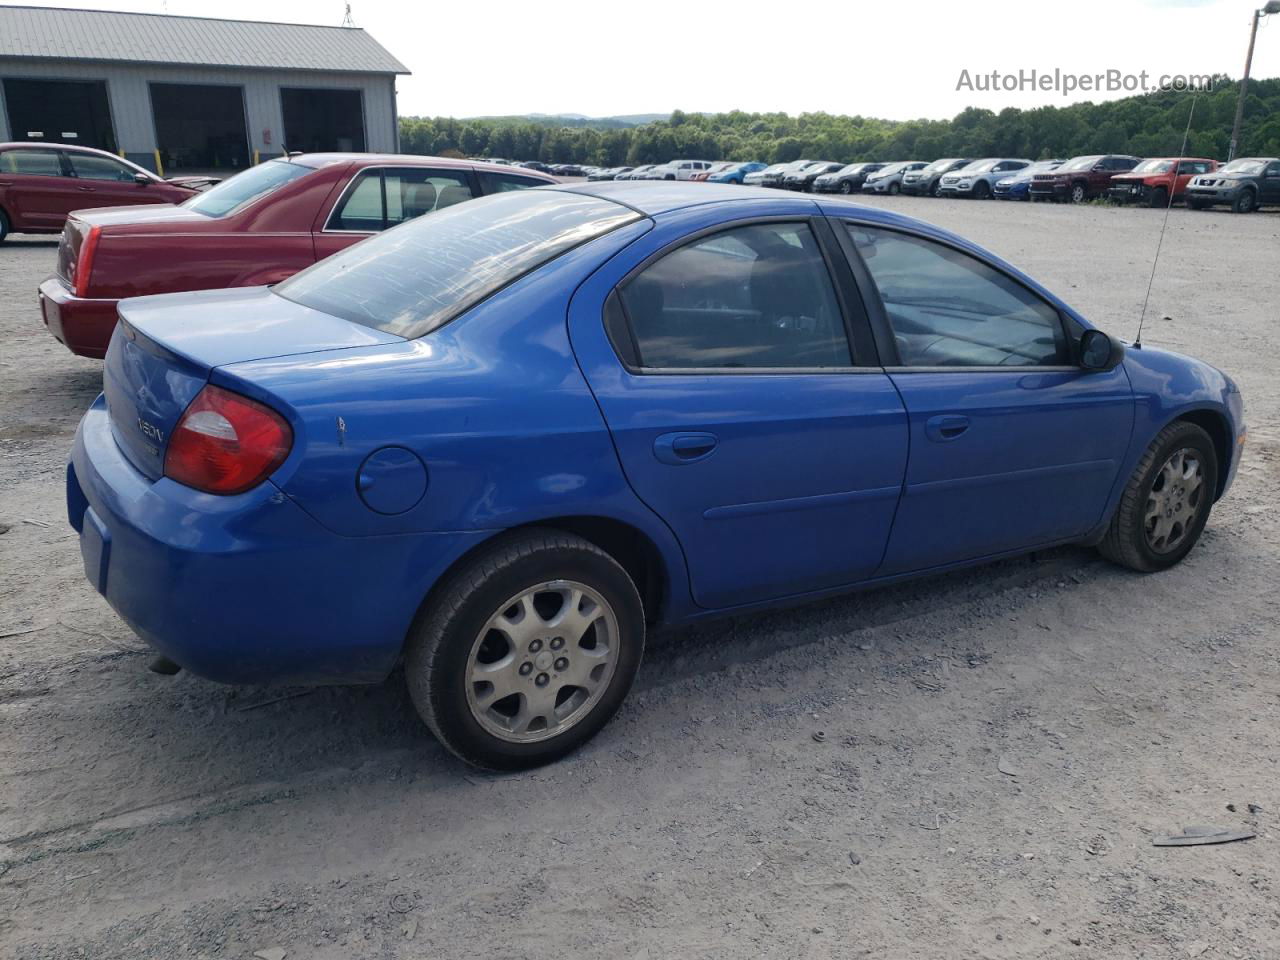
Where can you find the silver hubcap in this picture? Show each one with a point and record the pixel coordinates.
(542, 661)
(1174, 501)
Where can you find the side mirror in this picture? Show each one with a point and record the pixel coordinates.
(1100, 351)
(142, 180)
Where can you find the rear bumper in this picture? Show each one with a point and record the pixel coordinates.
(82, 325)
(248, 588)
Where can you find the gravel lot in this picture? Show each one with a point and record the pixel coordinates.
(998, 747)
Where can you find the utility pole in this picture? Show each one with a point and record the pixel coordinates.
(1273, 6)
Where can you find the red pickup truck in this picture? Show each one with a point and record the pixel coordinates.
(256, 228)
(1153, 181)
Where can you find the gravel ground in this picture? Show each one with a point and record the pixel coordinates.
(968, 766)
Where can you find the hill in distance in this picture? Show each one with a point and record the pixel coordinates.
(579, 120)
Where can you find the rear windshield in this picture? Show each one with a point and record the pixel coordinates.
(418, 276)
(255, 182)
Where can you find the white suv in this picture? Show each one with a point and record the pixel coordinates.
(685, 169)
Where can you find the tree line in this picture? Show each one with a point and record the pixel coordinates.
(1146, 125)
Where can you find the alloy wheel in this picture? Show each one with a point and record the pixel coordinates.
(542, 661)
(1175, 501)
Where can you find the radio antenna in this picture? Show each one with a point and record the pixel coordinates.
(1137, 341)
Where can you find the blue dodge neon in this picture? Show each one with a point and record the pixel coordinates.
(499, 442)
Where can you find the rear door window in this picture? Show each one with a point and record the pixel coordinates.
(756, 296)
(500, 182)
(32, 163)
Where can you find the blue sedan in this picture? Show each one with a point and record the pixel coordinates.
(1018, 186)
(500, 443)
(736, 173)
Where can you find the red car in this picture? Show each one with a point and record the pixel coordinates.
(1151, 181)
(41, 183)
(257, 227)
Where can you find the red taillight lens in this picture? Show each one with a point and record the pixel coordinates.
(226, 443)
(84, 261)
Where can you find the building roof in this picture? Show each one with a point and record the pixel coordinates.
(53, 33)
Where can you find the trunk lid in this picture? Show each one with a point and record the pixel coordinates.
(165, 348)
(142, 213)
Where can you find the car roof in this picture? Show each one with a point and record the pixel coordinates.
(395, 159)
(46, 145)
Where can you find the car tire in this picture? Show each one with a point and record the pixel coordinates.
(1159, 198)
(460, 632)
(846, 187)
(933, 188)
(4, 226)
(1079, 193)
(982, 190)
(1162, 512)
(894, 189)
(1245, 202)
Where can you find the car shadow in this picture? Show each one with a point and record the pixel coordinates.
(275, 732)
(30, 242)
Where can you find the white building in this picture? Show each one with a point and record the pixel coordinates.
(190, 93)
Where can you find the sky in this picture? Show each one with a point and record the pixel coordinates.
(891, 60)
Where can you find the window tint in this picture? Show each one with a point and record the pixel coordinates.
(948, 309)
(384, 197)
(37, 163)
(88, 167)
(361, 207)
(754, 296)
(413, 278)
(253, 183)
(498, 182)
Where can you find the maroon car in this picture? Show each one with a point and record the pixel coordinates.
(41, 183)
(258, 227)
(1081, 178)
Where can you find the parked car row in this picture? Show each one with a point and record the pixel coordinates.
(1243, 185)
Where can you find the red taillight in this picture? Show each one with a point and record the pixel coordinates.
(84, 261)
(226, 443)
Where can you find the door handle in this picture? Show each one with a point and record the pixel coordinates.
(6, 183)
(85, 189)
(946, 427)
(680, 448)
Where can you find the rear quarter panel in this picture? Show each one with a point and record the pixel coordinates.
(494, 405)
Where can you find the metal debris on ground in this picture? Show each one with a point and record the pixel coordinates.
(819, 736)
(1199, 836)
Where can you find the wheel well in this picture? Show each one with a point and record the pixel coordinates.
(1216, 426)
(637, 554)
